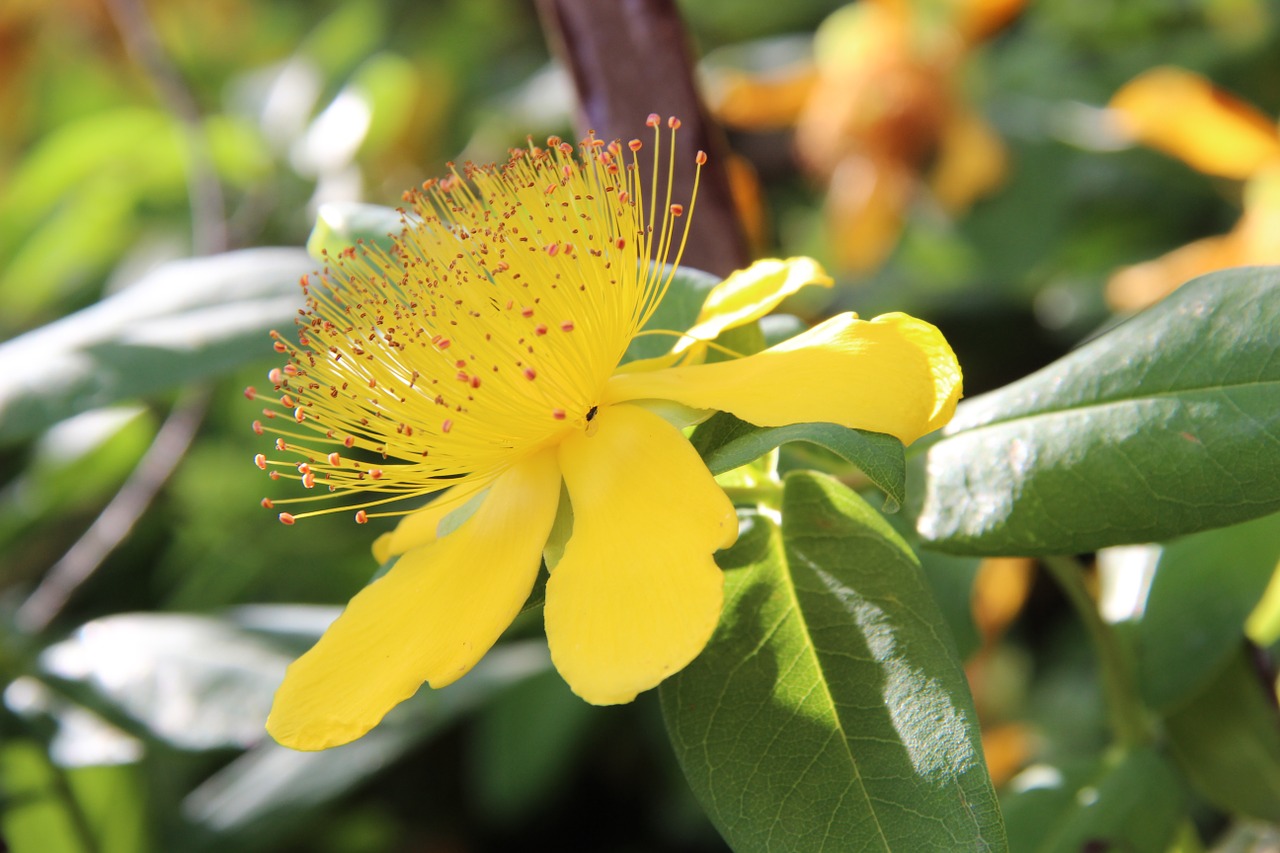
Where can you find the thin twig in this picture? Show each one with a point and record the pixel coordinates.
(116, 521)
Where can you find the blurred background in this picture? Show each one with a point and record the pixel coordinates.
(961, 161)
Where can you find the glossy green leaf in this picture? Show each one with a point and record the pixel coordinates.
(1165, 425)
(1227, 740)
(1125, 801)
(188, 320)
(1186, 635)
(725, 442)
(829, 711)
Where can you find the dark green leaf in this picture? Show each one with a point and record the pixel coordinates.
(1125, 801)
(829, 711)
(524, 744)
(1227, 740)
(186, 321)
(1167, 424)
(1185, 635)
(725, 442)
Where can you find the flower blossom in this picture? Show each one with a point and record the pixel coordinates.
(481, 358)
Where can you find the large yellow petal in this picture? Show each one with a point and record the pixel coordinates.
(430, 618)
(1185, 115)
(894, 374)
(637, 593)
(749, 294)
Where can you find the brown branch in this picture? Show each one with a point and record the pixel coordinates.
(630, 58)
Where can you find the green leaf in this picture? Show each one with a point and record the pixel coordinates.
(829, 711)
(1165, 425)
(46, 809)
(725, 442)
(1227, 740)
(270, 790)
(677, 311)
(524, 745)
(1186, 636)
(186, 321)
(1126, 801)
(340, 225)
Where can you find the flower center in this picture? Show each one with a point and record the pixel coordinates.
(485, 333)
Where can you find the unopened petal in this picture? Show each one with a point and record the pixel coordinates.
(749, 294)
(430, 618)
(637, 593)
(894, 374)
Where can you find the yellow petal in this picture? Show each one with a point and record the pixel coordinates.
(419, 528)
(637, 593)
(1134, 288)
(1185, 115)
(749, 294)
(430, 618)
(894, 374)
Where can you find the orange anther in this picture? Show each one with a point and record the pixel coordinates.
(309, 480)
(348, 441)
(375, 473)
(275, 376)
(267, 504)
(286, 518)
(558, 414)
(530, 373)
(653, 120)
(673, 123)
(566, 326)
(677, 210)
(540, 329)
(304, 468)
(257, 427)
(280, 445)
(635, 145)
(701, 159)
(446, 426)
(250, 392)
(279, 346)
(362, 517)
(261, 461)
(334, 459)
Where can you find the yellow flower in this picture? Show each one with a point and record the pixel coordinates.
(481, 357)
(1186, 116)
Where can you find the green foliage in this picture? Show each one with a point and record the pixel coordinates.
(1164, 425)
(829, 710)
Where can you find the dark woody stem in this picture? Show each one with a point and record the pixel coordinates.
(630, 58)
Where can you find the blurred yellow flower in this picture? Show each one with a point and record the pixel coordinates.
(879, 116)
(481, 358)
(1186, 116)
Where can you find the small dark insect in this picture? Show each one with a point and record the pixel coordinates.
(591, 413)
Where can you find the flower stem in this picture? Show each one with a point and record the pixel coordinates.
(1129, 720)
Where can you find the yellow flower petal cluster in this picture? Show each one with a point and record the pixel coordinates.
(480, 358)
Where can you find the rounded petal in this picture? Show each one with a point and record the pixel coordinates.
(430, 618)
(751, 293)
(894, 374)
(637, 593)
